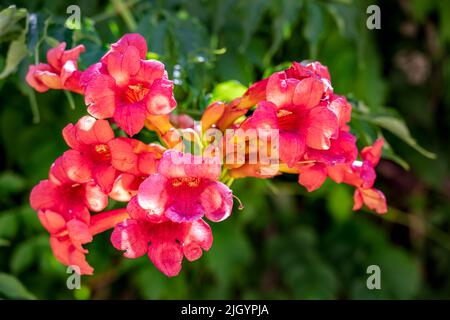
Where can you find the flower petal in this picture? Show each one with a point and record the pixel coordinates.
(280, 89)
(125, 186)
(152, 194)
(175, 164)
(254, 95)
(372, 153)
(150, 70)
(292, 147)
(217, 201)
(95, 199)
(92, 131)
(308, 92)
(321, 127)
(79, 233)
(312, 177)
(44, 195)
(100, 92)
(70, 137)
(54, 56)
(32, 78)
(104, 175)
(67, 254)
(198, 238)
(167, 257)
(121, 66)
(343, 110)
(52, 221)
(130, 237)
(77, 167)
(160, 99)
(49, 79)
(183, 203)
(70, 77)
(130, 40)
(122, 156)
(130, 117)
(264, 117)
(138, 213)
(342, 150)
(373, 198)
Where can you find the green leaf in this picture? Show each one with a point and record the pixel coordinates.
(227, 91)
(12, 288)
(398, 127)
(16, 52)
(285, 13)
(9, 22)
(11, 182)
(388, 153)
(421, 9)
(345, 17)
(4, 242)
(300, 265)
(161, 286)
(8, 224)
(23, 256)
(340, 203)
(222, 8)
(232, 252)
(314, 26)
(84, 293)
(255, 10)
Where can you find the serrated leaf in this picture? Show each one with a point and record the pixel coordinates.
(12, 288)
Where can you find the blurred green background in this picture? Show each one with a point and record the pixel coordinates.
(286, 243)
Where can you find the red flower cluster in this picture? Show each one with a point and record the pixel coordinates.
(169, 191)
(313, 132)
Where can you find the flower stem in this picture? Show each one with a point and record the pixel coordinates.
(34, 105)
(230, 182)
(123, 10)
(106, 220)
(70, 99)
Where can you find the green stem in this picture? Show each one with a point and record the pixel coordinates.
(70, 99)
(230, 182)
(112, 13)
(125, 12)
(34, 106)
(436, 235)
